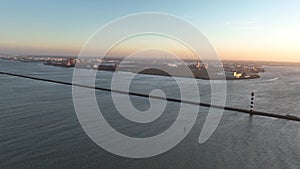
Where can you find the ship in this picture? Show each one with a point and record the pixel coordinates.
(70, 62)
(108, 66)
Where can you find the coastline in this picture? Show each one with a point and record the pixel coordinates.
(112, 65)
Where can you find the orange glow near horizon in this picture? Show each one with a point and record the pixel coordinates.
(156, 42)
(282, 48)
(233, 52)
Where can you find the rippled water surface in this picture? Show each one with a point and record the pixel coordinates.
(39, 127)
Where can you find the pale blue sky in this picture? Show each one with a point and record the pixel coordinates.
(233, 26)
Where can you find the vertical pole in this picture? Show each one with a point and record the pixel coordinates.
(166, 58)
(252, 103)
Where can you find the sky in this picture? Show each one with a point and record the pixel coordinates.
(267, 30)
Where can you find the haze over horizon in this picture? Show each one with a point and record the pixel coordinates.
(260, 30)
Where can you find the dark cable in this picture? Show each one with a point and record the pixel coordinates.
(287, 117)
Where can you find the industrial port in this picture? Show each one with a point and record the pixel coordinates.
(229, 71)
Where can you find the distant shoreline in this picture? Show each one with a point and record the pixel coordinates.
(260, 62)
(232, 71)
